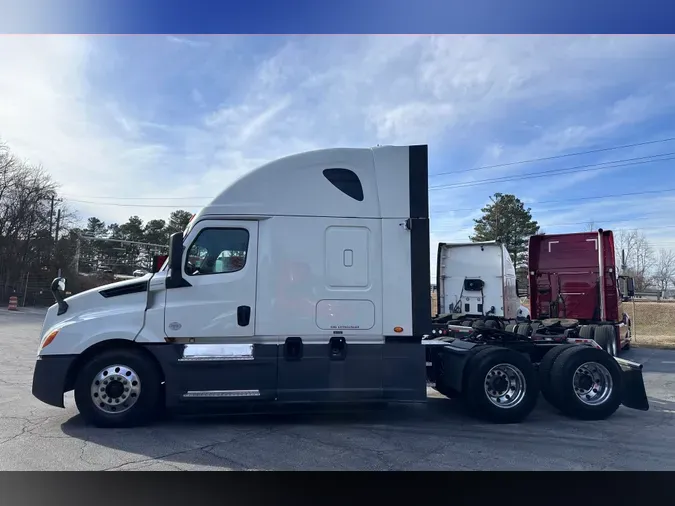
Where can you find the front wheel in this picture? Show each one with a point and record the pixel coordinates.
(118, 388)
(501, 385)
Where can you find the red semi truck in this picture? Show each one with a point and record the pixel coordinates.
(574, 277)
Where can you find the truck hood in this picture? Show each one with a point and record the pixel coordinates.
(103, 299)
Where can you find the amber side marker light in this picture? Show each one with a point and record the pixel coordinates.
(398, 330)
(50, 338)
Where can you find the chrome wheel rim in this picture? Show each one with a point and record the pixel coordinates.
(592, 383)
(115, 389)
(505, 386)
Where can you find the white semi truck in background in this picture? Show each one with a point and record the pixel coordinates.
(476, 281)
(307, 280)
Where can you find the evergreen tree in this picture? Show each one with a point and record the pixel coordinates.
(506, 220)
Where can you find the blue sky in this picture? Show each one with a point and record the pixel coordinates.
(153, 117)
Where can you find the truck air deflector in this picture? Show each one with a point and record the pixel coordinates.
(420, 271)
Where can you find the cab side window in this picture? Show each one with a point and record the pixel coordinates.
(217, 251)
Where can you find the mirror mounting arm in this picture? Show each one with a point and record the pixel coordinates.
(58, 292)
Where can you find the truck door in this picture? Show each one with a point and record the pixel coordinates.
(213, 315)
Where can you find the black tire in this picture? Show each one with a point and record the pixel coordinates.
(606, 338)
(146, 408)
(587, 332)
(476, 374)
(545, 371)
(562, 386)
(511, 327)
(466, 323)
(524, 329)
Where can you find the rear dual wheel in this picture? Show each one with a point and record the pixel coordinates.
(500, 385)
(582, 382)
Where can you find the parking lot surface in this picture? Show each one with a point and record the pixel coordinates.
(434, 436)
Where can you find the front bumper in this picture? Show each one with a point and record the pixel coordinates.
(49, 378)
(633, 393)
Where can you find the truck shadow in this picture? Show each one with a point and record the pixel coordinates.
(349, 437)
(380, 437)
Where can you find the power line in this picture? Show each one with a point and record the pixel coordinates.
(576, 199)
(137, 198)
(117, 204)
(574, 223)
(543, 159)
(557, 201)
(592, 166)
(570, 170)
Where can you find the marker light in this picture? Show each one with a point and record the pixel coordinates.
(398, 330)
(49, 338)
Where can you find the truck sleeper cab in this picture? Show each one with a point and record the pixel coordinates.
(299, 282)
(306, 280)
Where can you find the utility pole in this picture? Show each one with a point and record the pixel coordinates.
(76, 260)
(50, 246)
(51, 217)
(58, 225)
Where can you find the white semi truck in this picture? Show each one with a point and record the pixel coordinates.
(307, 280)
(476, 281)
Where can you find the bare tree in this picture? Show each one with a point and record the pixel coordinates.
(39, 236)
(26, 223)
(640, 258)
(664, 271)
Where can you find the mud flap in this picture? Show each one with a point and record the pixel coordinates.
(633, 393)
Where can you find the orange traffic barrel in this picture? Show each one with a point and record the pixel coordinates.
(13, 301)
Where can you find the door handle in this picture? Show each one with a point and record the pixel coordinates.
(243, 316)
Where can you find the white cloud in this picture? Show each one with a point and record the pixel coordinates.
(475, 100)
(187, 42)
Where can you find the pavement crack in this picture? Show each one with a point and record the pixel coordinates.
(85, 443)
(227, 460)
(24, 429)
(205, 448)
(155, 459)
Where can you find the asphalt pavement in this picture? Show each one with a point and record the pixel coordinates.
(437, 435)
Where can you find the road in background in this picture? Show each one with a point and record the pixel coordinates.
(437, 436)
